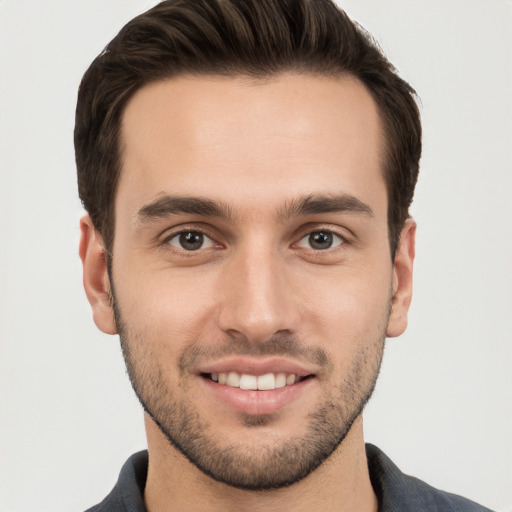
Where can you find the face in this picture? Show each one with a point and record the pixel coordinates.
(251, 271)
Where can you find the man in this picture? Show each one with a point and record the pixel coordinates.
(247, 168)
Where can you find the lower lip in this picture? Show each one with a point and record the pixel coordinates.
(257, 402)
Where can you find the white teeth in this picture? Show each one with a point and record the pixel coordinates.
(233, 380)
(280, 380)
(268, 381)
(248, 381)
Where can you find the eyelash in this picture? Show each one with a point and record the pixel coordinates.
(166, 242)
(336, 239)
(342, 240)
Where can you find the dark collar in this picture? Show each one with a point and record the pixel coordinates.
(395, 491)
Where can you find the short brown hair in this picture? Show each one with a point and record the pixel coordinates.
(257, 38)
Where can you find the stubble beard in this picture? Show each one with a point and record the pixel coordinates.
(252, 468)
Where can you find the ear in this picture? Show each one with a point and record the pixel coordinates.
(95, 276)
(402, 280)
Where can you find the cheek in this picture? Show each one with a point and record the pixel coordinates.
(175, 307)
(352, 307)
(174, 304)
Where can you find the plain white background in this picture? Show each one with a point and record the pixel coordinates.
(443, 407)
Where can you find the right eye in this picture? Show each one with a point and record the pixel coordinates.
(320, 240)
(191, 241)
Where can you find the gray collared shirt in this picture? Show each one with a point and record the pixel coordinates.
(396, 492)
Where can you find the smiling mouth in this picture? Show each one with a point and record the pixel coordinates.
(266, 382)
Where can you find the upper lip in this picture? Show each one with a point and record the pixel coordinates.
(256, 366)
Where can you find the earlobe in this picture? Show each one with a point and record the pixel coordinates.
(95, 276)
(402, 280)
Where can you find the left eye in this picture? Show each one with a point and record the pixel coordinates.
(191, 241)
(320, 240)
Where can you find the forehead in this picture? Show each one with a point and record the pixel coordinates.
(247, 142)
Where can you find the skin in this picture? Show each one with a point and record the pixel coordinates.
(254, 148)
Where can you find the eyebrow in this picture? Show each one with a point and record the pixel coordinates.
(175, 205)
(204, 207)
(316, 204)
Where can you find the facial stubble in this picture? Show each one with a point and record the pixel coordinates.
(255, 468)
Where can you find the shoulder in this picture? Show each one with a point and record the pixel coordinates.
(397, 491)
(109, 504)
(127, 494)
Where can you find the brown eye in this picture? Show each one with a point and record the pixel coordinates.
(191, 241)
(320, 240)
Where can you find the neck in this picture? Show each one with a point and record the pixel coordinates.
(341, 483)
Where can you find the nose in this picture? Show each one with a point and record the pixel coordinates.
(257, 297)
